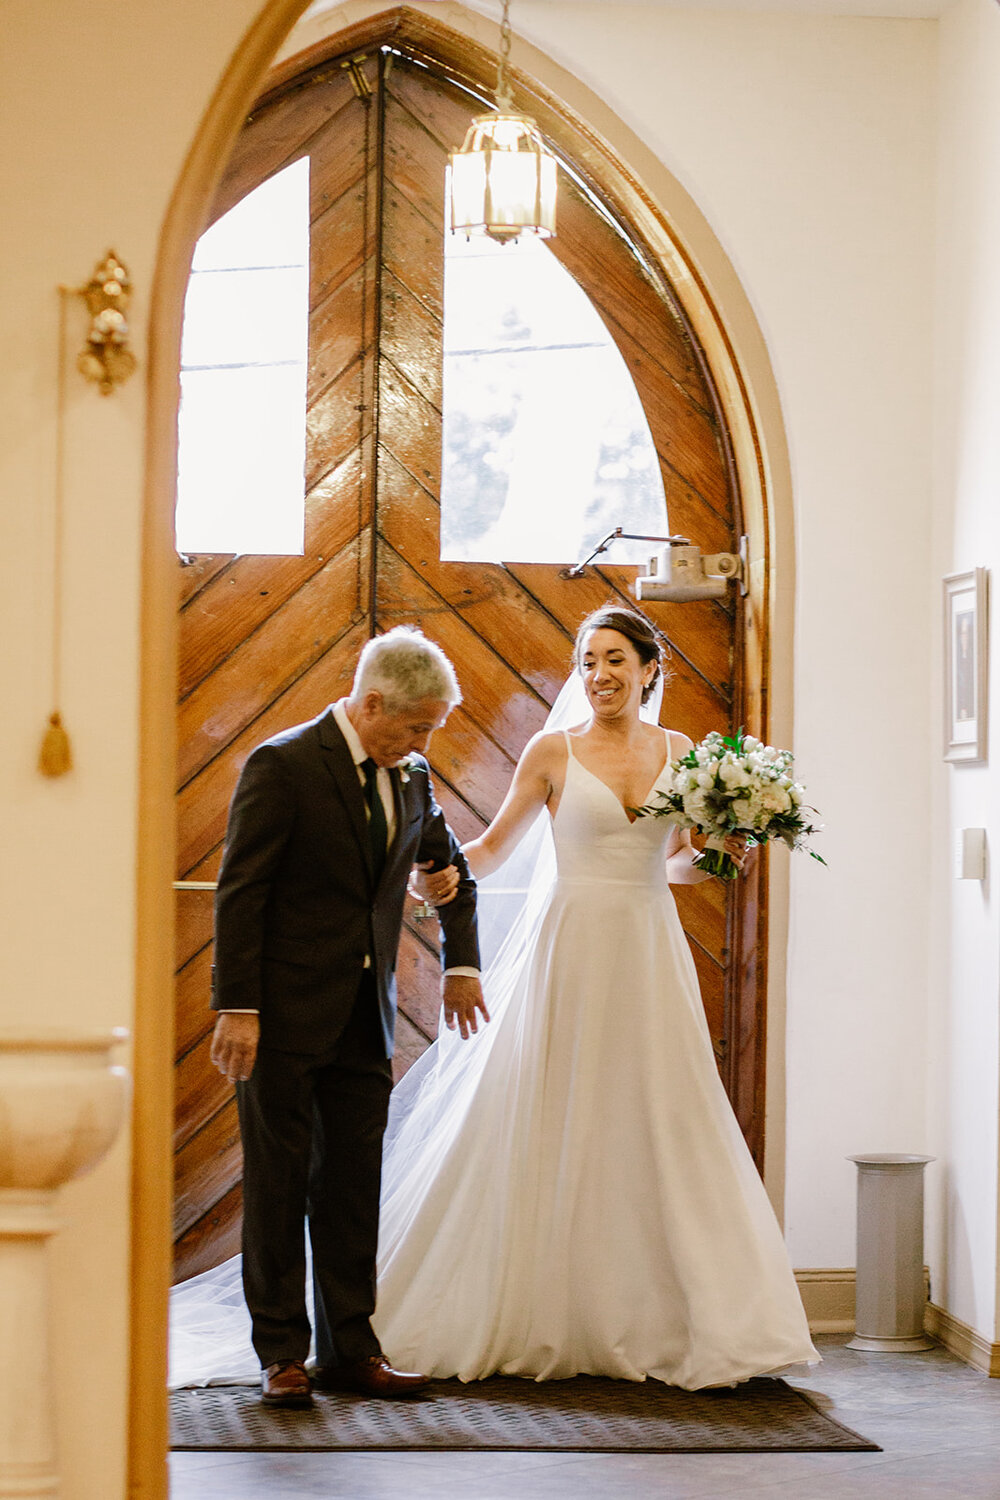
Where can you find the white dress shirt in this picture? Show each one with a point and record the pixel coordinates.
(359, 755)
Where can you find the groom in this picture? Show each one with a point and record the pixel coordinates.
(326, 822)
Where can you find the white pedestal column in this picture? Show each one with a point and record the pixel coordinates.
(889, 1291)
(61, 1105)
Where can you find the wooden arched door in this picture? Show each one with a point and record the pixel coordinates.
(266, 642)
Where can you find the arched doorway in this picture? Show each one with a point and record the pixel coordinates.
(267, 642)
(676, 237)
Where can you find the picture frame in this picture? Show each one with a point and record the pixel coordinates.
(966, 648)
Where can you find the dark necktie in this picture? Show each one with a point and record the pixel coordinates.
(378, 830)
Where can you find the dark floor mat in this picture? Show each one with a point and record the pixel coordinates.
(581, 1415)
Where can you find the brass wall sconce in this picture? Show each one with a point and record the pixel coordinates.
(106, 358)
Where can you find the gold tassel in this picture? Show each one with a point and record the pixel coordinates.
(56, 757)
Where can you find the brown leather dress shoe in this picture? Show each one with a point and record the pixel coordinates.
(373, 1376)
(285, 1383)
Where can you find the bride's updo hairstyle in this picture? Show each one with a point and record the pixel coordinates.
(634, 627)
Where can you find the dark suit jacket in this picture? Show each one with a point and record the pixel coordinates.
(297, 910)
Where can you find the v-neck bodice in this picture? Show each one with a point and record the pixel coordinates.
(595, 839)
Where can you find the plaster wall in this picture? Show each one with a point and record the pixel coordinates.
(964, 1030)
(97, 110)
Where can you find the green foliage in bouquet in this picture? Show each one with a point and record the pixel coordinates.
(735, 784)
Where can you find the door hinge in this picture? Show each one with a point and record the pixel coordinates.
(359, 82)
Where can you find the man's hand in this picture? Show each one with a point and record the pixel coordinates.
(736, 847)
(234, 1044)
(437, 887)
(462, 996)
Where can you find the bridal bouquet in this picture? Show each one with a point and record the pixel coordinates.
(735, 784)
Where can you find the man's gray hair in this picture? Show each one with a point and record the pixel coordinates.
(405, 667)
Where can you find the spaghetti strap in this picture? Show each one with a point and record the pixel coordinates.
(569, 744)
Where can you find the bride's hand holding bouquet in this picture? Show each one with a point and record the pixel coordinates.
(733, 785)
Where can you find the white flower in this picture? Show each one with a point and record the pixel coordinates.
(775, 800)
(695, 805)
(743, 812)
(405, 766)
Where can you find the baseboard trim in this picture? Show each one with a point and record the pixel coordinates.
(962, 1340)
(828, 1298)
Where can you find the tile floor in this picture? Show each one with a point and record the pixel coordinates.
(937, 1420)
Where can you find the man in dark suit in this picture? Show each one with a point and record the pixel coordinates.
(325, 825)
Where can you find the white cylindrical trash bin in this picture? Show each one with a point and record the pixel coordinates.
(889, 1292)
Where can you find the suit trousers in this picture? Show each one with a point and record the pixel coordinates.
(312, 1131)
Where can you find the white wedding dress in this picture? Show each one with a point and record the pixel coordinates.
(570, 1192)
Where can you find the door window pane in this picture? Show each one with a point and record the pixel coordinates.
(546, 447)
(242, 424)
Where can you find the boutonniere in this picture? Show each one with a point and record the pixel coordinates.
(410, 763)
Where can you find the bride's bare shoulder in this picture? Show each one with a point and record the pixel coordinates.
(547, 747)
(543, 762)
(680, 744)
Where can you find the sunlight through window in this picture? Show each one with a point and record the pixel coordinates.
(546, 445)
(242, 428)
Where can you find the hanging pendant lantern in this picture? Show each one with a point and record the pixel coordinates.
(503, 180)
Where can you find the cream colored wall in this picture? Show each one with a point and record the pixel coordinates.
(964, 1022)
(98, 105)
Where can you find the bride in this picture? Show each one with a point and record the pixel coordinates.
(568, 1191)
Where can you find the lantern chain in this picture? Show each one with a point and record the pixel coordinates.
(504, 99)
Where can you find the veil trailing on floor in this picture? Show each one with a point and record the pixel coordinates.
(209, 1322)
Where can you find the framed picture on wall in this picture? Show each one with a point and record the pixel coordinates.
(965, 664)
